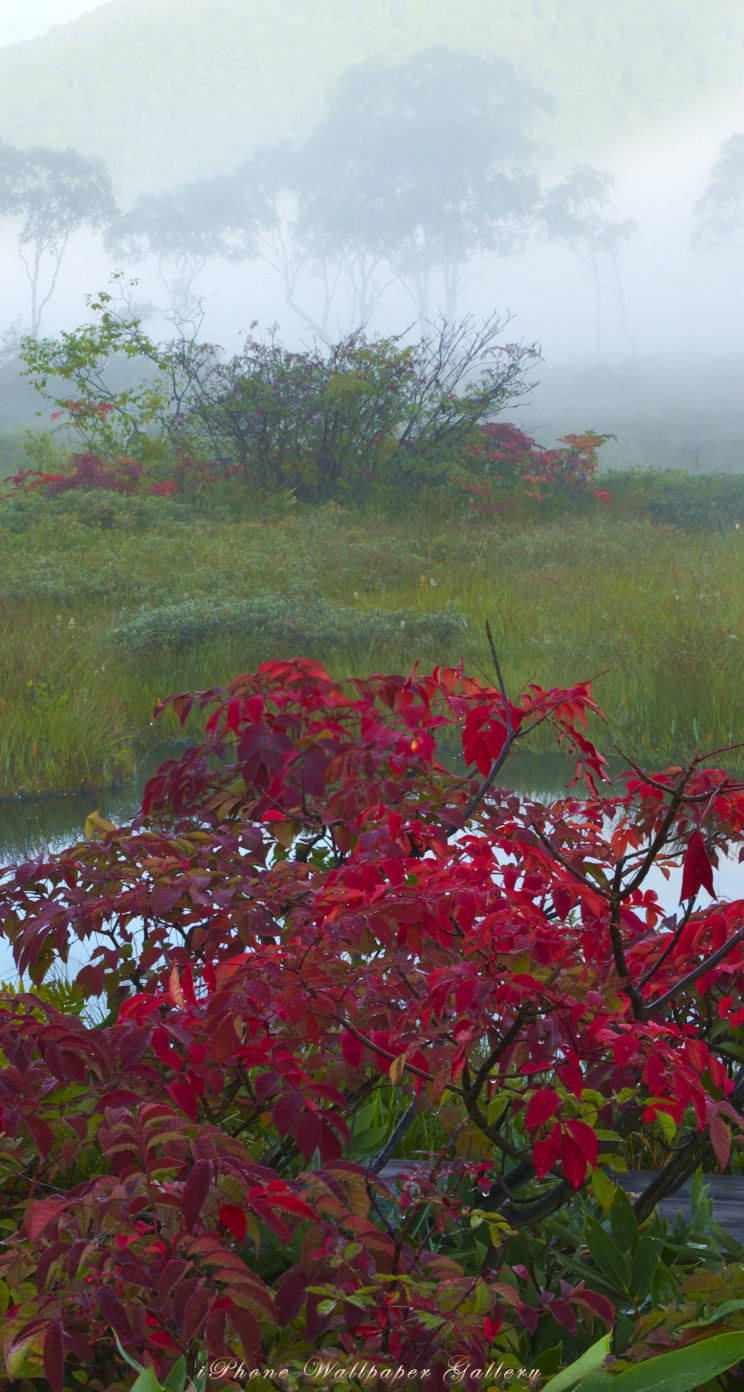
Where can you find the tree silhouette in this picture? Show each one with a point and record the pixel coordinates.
(720, 210)
(577, 214)
(421, 165)
(54, 192)
(183, 228)
(415, 168)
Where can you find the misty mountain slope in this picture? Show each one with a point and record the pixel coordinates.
(165, 90)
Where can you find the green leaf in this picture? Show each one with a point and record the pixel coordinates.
(701, 1207)
(587, 1363)
(127, 1358)
(725, 1241)
(607, 1254)
(683, 1370)
(663, 1285)
(199, 1382)
(645, 1263)
(623, 1222)
(667, 1125)
(548, 1360)
(176, 1379)
(146, 1382)
(727, 1308)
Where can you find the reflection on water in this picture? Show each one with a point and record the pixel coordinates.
(29, 826)
(32, 826)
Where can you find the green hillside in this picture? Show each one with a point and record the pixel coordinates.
(165, 90)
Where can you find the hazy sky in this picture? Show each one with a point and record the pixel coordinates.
(27, 19)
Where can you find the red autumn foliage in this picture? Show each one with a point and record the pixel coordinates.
(512, 462)
(89, 471)
(290, 929)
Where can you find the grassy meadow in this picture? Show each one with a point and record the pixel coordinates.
(107, 605)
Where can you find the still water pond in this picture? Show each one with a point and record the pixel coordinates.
(32, 826)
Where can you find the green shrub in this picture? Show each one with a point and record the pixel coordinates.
(25, 512)
(279, 619)
(677, 498)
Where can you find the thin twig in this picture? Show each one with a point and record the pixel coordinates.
(698, 971)
(670, 945)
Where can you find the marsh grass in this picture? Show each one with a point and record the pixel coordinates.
(658, 611)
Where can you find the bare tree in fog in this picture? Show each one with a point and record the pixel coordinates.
(420, 165)
(416, 168)
(720, 210)
(182, 229)
(269, 178)
(54, 192)
(578, 214)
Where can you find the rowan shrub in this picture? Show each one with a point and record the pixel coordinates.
(310, 917)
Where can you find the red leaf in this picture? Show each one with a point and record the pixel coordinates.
(113, 1312)
(215, 1330)
(308, 1134)
(187, 986)
(42, 1135)
(330, 1144)
(248, 1330)
(161, 1339)
(133, 1045)
(562, 900)
(545, 1153)
(184, 1098)
(351, 1047)
(573, 1160)
(290, 1295)
(234, 1219)
(541, 1107)
(286, 1112)
(40, 1215)
(291, 1204)
(571, 1077)
(598, 1304)
(697, 1055)
(233, 717)
(720, 1139)
(586, 1138)
(54, 1359)
(195, 1191)
(697, 871)
(194, 1315)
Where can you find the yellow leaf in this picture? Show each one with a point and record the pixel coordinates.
(285, 833)
(396, 1069)
(96, 826)
(604, 1189)
(612, 1161)
(174, 989)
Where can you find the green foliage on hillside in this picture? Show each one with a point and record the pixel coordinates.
(165, 90)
